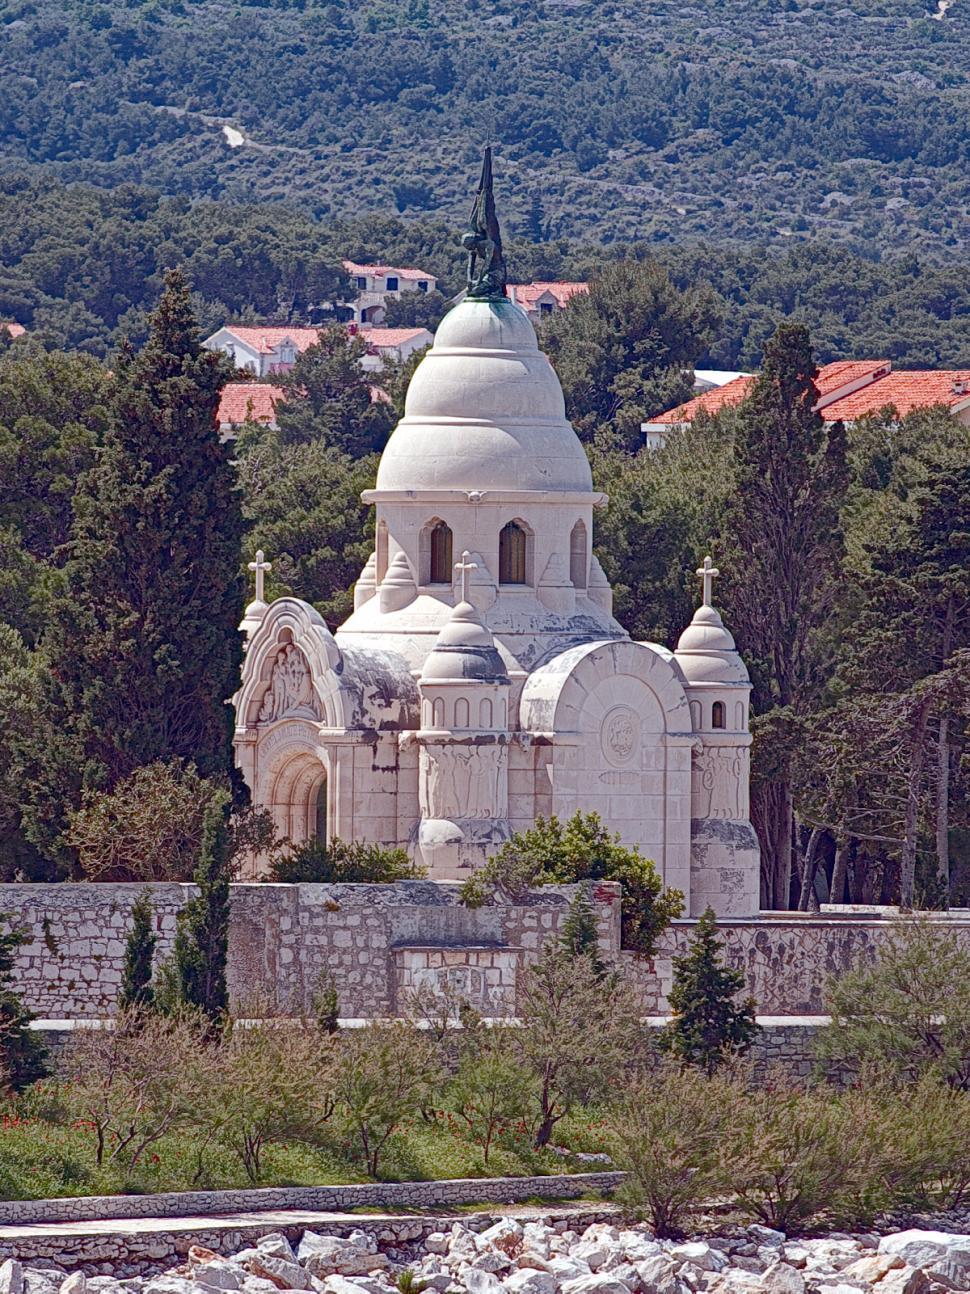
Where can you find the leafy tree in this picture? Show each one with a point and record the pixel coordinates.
(575, 1039)
(145, 647)
(136, 975)
(304, 509)
(783, 547)
(490, 1092)
(194, 977)
(329, 398)
(709, 1025)
(908, 1012)
(416, 310)
(555, 853)
(335, 862)
(624, 349)
(23, 1057)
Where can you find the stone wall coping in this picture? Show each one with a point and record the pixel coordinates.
(176, 1204)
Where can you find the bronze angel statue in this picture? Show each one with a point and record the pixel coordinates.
(483, 242)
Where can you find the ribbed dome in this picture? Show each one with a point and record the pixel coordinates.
(485, 411)
(464, 650)
(706, 651)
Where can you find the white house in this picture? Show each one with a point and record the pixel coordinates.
(375, 283)
(267, 351)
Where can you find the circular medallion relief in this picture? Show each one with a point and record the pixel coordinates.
(620, 735)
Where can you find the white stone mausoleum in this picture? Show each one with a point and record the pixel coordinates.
(481, 681)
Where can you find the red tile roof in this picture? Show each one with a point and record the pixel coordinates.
(527, 295)
(265, 340)
(848, 389)
(382, 271)
(390, 338)
(248, 402)
(905, 392)
(14, 329)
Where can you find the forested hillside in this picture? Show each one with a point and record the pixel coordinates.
(755, 120)
(81, 267)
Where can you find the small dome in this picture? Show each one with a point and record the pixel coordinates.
(464, 651)
(706, 651)
(485, 411)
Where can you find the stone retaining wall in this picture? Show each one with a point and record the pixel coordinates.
(381, 941)
(322, 1199)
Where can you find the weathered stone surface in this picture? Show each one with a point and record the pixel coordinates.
(76, 1283)
(782, 1278)
(596, 1283)
(11, 1277)
(917, 1247)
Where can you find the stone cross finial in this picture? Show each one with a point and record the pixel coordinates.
(260, 567)
(708, 573)
(463, 568)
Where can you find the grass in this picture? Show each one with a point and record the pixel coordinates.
(43, 1157)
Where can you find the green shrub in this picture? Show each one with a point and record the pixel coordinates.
(490, 1092)
(23, 1056)
(670, 1134)
(555, 853)
(908, 1012)
(337, 863)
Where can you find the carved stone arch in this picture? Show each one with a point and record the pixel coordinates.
(516, 553)
(291, 633)
(435, 553)
(291, 786)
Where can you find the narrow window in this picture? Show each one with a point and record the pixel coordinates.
(438, 714)
(577, 555)
(511, 554)
(717, 714)
(485, 713)
(441, 546)
(422, 285)
(361, 281)
(461, 713)
(392, 283)
(381, 550)
(739, 716)
(320, 812)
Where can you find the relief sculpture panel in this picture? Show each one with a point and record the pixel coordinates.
(459, 781)
(719, 783)
(290, 689)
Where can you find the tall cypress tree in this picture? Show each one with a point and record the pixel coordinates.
(136, 976)
(783, 547)
(145, 645)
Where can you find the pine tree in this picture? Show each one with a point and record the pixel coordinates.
(783, 547)
(145, 644)
(136, 976)
(195, 975)
(22, 1053)
(708, 1024)
(579, 935)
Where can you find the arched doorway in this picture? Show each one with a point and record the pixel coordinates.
(298, 799)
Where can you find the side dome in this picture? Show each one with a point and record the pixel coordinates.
(485, 411)
(706, 652)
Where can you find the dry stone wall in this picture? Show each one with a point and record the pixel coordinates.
(380, 942)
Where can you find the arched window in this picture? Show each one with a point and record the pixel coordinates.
(717, 714)
(512, 552)
(485, 713)
(461, 713)
(577, 556)
(440, 555)
(739, 716)
(320, 812)
(438, 714)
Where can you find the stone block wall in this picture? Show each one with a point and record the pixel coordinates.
(370, 938)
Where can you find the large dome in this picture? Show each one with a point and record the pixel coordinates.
(485, 411)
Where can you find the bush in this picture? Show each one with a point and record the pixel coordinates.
(338, 863)
(670, 1134)
(490, 1091)
(553, 853)
(23, 1056)
(708, 1027)
(908, 1013)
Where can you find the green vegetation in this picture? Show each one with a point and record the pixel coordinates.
(335, 862)
(136, 976)
(709, 1026)
(22, 1054)
(582, 849)
(744, 120)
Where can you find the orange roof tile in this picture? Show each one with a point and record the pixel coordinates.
(713, 401)
(389, 338)
(382, 271)
(844, 372)
(905, 392)
(265, 340)
(248, 402)
(527, 295)
(14, 329)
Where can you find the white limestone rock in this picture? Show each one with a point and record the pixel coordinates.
(477, 1281)
(505, 1235)
(285, 1275)
(530, 1281)
(568, 1268)
(700, 1255)
(766, 1236)
(537, 1238)
(276, 1244)
(596, 1283)
(919, 1248)
(11, 1277)
(219, 1274)
(593, 1253)
(906, 1280)
(437, 1243)
(952, 1272)
(782, 1278)
(324, 1256)
(76, 1283)
(871, 1268)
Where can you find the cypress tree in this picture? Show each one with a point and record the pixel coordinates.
(144, 643)
(579, 936)
(195, 975)
(136, 976)
(782, 560)
(23, 1055)
(709, 1025)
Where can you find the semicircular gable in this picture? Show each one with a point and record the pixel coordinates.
(554, 695)
(293, 669)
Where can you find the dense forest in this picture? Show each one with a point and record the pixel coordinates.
(81, 267)
(755, 120)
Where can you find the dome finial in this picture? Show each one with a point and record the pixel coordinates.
(482, 240)
(708, 573)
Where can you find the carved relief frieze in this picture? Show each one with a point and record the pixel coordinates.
(290, 690)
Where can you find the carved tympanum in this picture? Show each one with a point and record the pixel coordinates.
(290, 686)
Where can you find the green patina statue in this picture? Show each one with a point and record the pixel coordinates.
(483, 242)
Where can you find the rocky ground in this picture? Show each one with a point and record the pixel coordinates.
(535, 1257)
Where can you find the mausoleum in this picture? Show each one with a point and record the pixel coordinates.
(482, 681)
